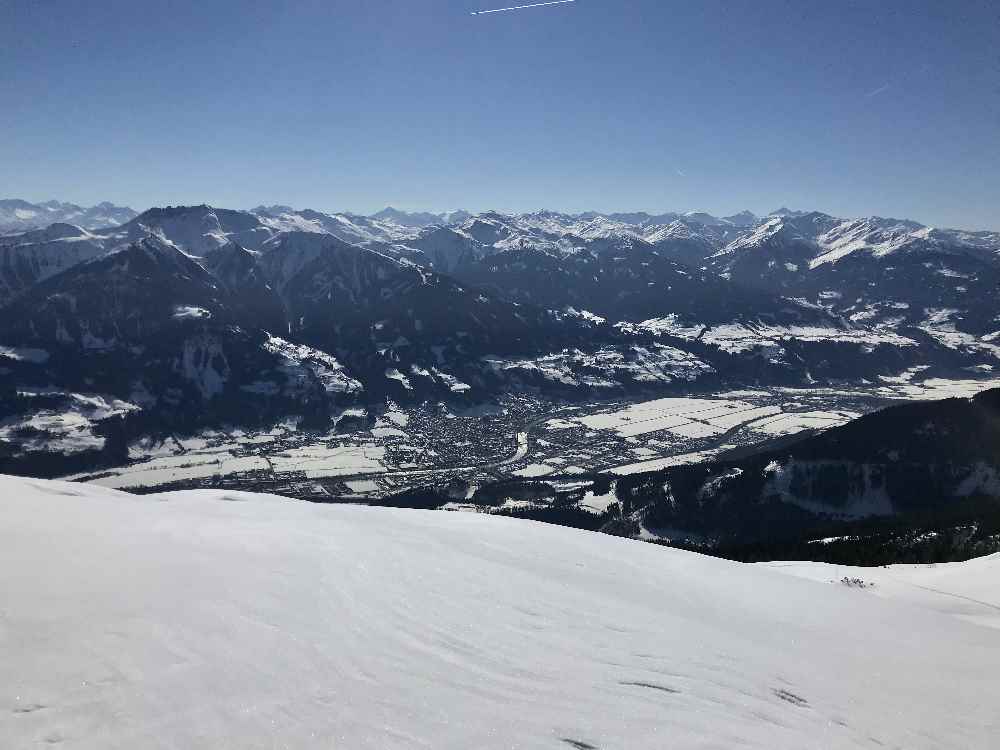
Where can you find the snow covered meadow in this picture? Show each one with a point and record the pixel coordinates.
(223, 619)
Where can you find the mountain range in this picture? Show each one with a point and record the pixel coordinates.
(195, 313)
(18, 215)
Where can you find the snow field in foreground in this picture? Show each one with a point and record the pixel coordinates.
(223, 619)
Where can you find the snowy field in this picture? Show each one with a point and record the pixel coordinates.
(670, 431)
(968, 590)
(321, 461)
(223, 619)
(688, 417)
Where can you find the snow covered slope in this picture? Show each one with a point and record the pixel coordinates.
(968, 590)
(221, 619)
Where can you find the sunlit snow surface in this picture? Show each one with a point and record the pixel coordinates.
(967, 590)
(221, 619)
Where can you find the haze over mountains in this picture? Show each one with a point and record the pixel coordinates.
(18, 215)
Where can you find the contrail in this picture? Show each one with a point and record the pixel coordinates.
(520, 7)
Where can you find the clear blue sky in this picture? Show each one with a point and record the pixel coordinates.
(880, 107)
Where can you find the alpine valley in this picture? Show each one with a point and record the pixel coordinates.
(531, 360)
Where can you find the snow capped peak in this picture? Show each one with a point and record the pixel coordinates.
(703, 218)
(60, 205)
(275, 209)
(602, 227)
(885, 223)
(706, 237)
(874, 235)
(284, 219)
(154, 246)
(674, 230)
(783, 211)
(742, 219)
(57, 231)
(359, 230)
(455, 217)
(821, 239)
(417, 219)
(767, 229)
(172, 211)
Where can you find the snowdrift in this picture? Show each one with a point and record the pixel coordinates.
(223, 619)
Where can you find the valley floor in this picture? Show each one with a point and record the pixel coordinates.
(520, 437)
(219, 618)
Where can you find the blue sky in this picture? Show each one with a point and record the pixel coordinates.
(889, 108)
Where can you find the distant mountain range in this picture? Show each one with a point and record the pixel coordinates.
(420, 219)
(18, 216)
(196, 314)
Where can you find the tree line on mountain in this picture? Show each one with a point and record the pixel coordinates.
(956, 532)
